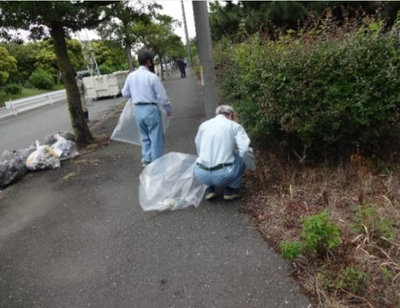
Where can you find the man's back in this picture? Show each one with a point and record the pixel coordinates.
(217, 139)
(141, 85)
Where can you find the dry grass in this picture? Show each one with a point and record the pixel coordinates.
(282, 195)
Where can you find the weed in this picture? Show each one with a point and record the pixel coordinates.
(387, 274)
(291, 249)
(353, 279)
(319, 234)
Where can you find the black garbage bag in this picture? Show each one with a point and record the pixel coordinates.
(12, 165)
(11, 171)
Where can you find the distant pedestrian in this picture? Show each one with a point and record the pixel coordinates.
(182, 67)
(148, 95)
(223, 148)
(82, 94)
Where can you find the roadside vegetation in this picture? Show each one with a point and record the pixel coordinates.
(321, 104)
(5, 95)
(52, 56)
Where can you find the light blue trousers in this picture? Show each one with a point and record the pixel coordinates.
(149, 122)
(227, 176)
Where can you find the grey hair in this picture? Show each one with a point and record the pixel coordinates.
(224, 109)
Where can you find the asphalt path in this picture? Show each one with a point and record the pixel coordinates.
(24, 129)
(87, 243)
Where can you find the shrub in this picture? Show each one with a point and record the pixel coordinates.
(319, 234)
(315, 91)
(13, 88)
(41, 79)
(291, 250)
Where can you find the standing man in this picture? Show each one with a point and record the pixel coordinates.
(182, 67)
(82, 94)
(224, 152)
(148, 94)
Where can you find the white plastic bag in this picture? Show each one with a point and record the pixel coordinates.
(169, 183)
(127, 130)
(42, 158)
(64, 148)
(248, 159)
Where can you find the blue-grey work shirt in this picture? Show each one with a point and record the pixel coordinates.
(143, 86)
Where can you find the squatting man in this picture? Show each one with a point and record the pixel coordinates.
(224, 151)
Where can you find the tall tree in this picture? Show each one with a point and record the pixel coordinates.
(159, 37)
(110, 56)
(8, 64)
(56, 19)
(119, 27)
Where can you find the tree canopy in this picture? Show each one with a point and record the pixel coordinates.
(238, 20)
(124, 16)
(57, 19)
(159, 37)
(7, 65)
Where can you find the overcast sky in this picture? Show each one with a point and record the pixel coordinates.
(172, 8)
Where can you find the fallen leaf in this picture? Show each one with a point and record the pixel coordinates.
(69, 176)
(92, 162)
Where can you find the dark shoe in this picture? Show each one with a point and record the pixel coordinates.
(145, 163)
(210, 193)
(231, 193)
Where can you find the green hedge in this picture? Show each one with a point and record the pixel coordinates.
(314, 91)
(42, 79)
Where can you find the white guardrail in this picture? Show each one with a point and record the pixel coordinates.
(24, 104)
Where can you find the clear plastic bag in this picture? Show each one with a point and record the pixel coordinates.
(127, 130)
(42, 158)
(50, 139)
(169, 183)
(65, 149)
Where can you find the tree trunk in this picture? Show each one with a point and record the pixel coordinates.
(83, 135)
(128, 47)
(162, 67)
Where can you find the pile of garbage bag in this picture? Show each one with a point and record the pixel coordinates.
(169, 183)
(14, 164)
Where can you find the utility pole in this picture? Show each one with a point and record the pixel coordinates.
(204, 49)
(187, 36)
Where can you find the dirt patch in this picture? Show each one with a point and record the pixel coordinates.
(363, 200)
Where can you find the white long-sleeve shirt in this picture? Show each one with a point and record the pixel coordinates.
(218, 139)
(142, 86)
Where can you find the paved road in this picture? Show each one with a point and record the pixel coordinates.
(23, 130)
(87, 243)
